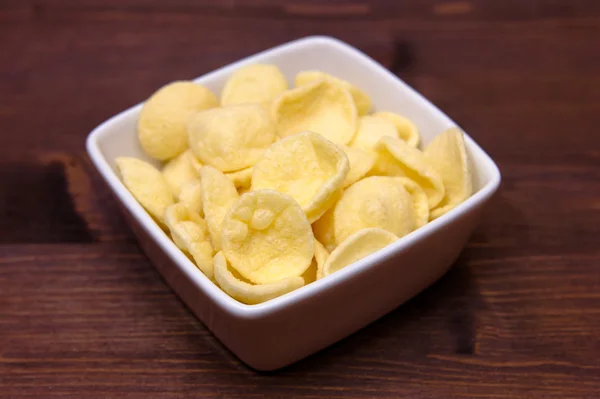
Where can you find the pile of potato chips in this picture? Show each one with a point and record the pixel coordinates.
(272, 188)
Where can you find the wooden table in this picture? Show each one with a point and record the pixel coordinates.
(84, 314)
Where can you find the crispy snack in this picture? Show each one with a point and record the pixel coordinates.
(164, 116)
(370, 130)
(361, 99)
(306, 167)
(179, 171)
(190, 234)
(375, 201)
(231, 138)
(322, 107)
(147, 185)
(357, 246)
(266, 237)
(248, 293)
(396, 158)
(407, 130)
(448, 156)
(218, 196)
(258, 83)
(241, 178)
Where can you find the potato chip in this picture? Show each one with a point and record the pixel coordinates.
(241, 178)
(321, 256)
(164, 116)
(266, 237)
(361, 99)
(324, 231)
(360, 162)
(190, 234)
(179, 171)
(249, 293)
(310, 275)
(407, 130)
(357, 246)
(370, 130)
(448, 156)
(396, 158)
(218, 195)
(147, 185)
(191, 196)
(375, 201)
(306, 167)
(258, 83)
(419, 200)
(321, 107)
(231, 138)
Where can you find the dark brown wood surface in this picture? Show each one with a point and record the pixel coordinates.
(84, 314)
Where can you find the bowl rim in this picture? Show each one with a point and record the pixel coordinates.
(200, 281)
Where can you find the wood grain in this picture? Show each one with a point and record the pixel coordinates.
(83, 313)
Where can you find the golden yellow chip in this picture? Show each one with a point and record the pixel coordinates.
(147, 185)
(419, 199)
(321, 107)
(310, 275)
(448, 155)
(375, 201)
(396, 158)
(266, 237)
(324, 231)
(361, 99)
(321, 256)
(370, 130)
(164, 116)
(407, 130)
(190, 234)
(191, 196)
(249, 293)
(241, 178)
(179, 171)
(218, 196)
(360, 161)
(258, 83)
(357, 246)
(306, 167)
(231, 138)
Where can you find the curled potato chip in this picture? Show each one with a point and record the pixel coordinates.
(407, 130)
(241, 178)
(310, 275)
(396, 158)
(357, 246)
(258, 83)
(370, 130)
(147, 185)
(190, 234)
(321, 256)
(324, 231)
(218, 195)
(321, 107)
(361, 99)
(448, 156)
(191, 196)
(375, 201)
(164, 116)
(179, 171)
(360, 162)
(249, 293)
(231, 138)
(419, 199)
(266, 237)
(306, 167)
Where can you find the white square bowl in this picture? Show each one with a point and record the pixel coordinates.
(286, 329)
